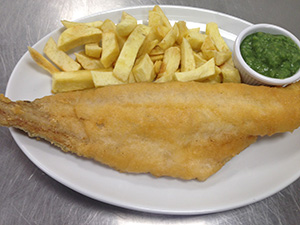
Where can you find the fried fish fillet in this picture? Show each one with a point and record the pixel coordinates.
(183, 130)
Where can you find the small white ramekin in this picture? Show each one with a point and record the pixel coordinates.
(249, 76)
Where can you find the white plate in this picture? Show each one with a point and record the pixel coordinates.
(263, 169)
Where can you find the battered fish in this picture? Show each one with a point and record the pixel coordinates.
(183, 130)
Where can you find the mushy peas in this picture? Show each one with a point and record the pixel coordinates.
(275, 56)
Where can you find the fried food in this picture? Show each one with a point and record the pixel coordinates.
(187, 130)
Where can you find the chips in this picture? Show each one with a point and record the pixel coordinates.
(107, 53)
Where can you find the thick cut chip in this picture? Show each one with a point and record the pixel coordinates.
(127, 24)
(87, 62)
(151, 40)
(229, 73)
(72, 81)
(155, 58)
(68, 24)
(131, 78)
(187, 56)
(220, 57)
(157, 51)
(93, 50)
(143, 70)
(213, 31)
(110, 26)
(169, 64)
(42, 61)
(146, 48)
(164, 18)
(208, 44)
(183, 31)
(195, 39)
(104, 78)
(199, 74)
(110, 49)
(78, 35)
(60, 58)
(199, 60)
(157, 66)
(170, 38)
(129, 52)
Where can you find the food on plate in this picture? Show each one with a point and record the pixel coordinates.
(88, 63)
(275, 56)
(186, 130)
(169, 65)
(203, 72)
(127, 24)
(127, 57)
(78, 35)
(69, 24)
(42, 61)
(187, 56)
(143, 70)
(59, 57)
(123, 46)
(93, 50)
(103, 78)
(71, 81)
(111, 49)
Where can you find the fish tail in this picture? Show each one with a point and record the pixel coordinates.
(9, 111)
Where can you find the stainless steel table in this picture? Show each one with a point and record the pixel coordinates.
(29, 196)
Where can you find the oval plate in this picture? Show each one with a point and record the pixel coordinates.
(261, 170)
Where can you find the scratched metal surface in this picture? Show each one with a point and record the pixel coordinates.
(28, 196)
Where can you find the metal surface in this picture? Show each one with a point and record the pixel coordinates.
(28, 196)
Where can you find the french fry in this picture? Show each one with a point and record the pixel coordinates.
(93, 50)
(78, 35)
(68, 24)
(199, 74)
(165, 20)
(155, 21)
(127, 25)
(155, 58)
(132, 52)
(157, 66)
(212, 30)
(143, 70)
(220, 57)
(104, 78)
(216, 78)
(109, 26)
(151, 40)
(208, 44)
(187, 56)
(87, 62)
(147, 47)
(199, 60)
(170, 38)
(183, 31)
(229, 73)
(42, 61)
(194, 30)
(60, 58)
(72, 81)
(195, 39)
(131, 78)
(129, 52)
(157, 51)
(110, 49)
(169, 64)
